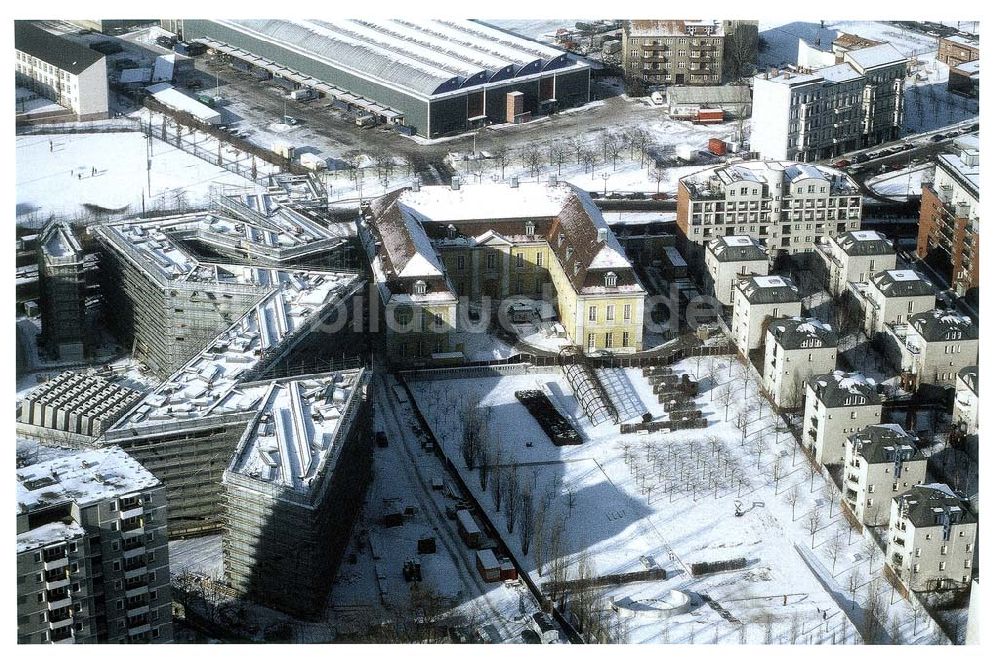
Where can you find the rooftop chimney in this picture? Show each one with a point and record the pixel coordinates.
(456, 182)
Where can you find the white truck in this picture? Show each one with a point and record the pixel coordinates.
(302, 94)
(657, 98)
(365, 120)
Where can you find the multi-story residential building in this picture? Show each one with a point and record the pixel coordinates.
(854, 256)
(965, 414)
(957, 49)
(682, 52)
(726, 259)
(294, 487)
(891, 297)
(933, 346)
(785, 206)
(838, 404)
(948, 237)
(932, 539)
(757, 301)
(431, 246)
(92, 560)
(70, 74)
(809, 115)
(63, 292)
(796, 349)
(880, 463)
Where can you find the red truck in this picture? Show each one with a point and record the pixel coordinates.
(717, 147)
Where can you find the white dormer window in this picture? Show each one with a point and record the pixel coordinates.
(610, 279)
(561, 238)
(452, 231)
(419, 287)
(529, 228)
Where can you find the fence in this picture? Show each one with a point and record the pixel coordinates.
(124, 124)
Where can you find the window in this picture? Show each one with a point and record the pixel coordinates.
(38, 557)
(625, 339)
(460, 263)
(944, 549)
(419, 287)
(538, 259)
(609, 313)
(120, 604)
(609, 339)
(610, 279)
(592, 313)
(529, 228)
(156, 632)
(520, 260)
(491, 260)
(113, 506)
(627, 314)
(591, 340)
(941, 565)
(117, 565)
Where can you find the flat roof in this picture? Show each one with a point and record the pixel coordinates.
(422, 55)
(875, 56)
(48, 534)
(839, 73)
(83, 478)
(295, 435)
(174, 98)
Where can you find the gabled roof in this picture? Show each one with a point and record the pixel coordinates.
(53, 49)
(934, 504)
(837, 388)
(736, 248)
(940, 325)
(902, 283)
(768, 289)
(881, 444)
(798, 332)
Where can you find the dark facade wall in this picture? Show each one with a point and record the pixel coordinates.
(411, 106)
(573, 88)
(449, 115)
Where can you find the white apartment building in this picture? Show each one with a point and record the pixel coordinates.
(854, 256)
(891, 297)
(785, 206)
(71, 75)
(838, 405)
(795, 350)
(757, 301)
(932, 539)
(965, 415)
(933, 346)
(809, 115)
(726, 260)
(880, 463)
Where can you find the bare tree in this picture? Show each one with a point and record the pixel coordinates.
(501, 156)
(531, 157)
(745, 376)
(570, 497)
(511, 496)
(871, 550)
(832, 496)
(814, 519)
(558, 154)
(658, 175)
(726, 396)
(589, 159)
(713, 375)
(777, 471)
(527, 519)
(759, 445)
(792, 497)
(854, 580)
(743, 424)
(834, 545)
(615, 147)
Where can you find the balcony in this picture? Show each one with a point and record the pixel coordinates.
(132, 512)
(131, 527)
(62, 635)
(61, 562)
(57, 581)
(59, 602)
(138, 610)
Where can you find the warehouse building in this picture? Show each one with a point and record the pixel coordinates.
(62, 293)
(77, 403)
(71, 75)
(437, 76)
(92, 559)
(294, 487)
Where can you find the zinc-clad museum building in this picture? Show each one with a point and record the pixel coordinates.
(435, 75)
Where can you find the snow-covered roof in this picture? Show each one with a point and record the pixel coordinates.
(800, 332)
(136, 75)
(882, 444)
(736, 248)
(875, 56)
(788, 77)
(294, 438)
(902, 283)
(422, 55)
(839, 73)
(971, 67)
(962, 41)
(672, 28)
(934, 504)
(51, 533)
(175, 99)
(767, 171)
(940, 325)
(864, 243)
(82, 478)
(768, 289)
(59, 243)
(967, 173)
(838, 388)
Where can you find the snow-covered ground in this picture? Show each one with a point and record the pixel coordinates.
(902, 183)
(670, 497)
(538, 29)
(107, 170)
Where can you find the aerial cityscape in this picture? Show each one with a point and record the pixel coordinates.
(431, 330)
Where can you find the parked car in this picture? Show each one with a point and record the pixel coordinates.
(194, 85)
(937, 137)
(842, 163)
(861, 159)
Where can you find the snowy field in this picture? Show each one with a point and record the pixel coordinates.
(107, 170)
(618, 502)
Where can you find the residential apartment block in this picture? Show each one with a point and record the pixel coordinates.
(727, 258)
(838, 405)
(431, 246)
(948, 236)
(785, 206)
(796, 349)
(890, 298)
(757, 302)
(854, 256)
(71, 75)
(686, 52)
(818, 114)
(880, 463)
(294, 488)
(62, 285)
(92, 559)
(932, 539)
(933, 346)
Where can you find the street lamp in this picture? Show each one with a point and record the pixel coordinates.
(605, 175)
